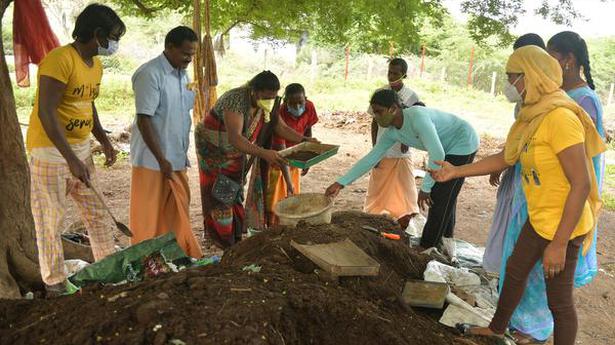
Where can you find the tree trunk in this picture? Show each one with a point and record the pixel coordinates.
(19, 271)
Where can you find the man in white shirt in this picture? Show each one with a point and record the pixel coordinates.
(392, 189)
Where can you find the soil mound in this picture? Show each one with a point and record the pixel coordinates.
(285, 303)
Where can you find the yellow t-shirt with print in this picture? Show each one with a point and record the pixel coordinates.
(544, 182)
(74, 112)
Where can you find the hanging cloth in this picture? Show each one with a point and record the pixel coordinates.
(32, 37)
(205, 74)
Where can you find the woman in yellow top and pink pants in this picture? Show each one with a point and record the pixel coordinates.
(554, 139)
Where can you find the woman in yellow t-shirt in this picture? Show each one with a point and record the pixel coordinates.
(58, 139)
(554, 140)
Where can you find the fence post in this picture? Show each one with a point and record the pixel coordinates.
(471, 67)
(610, 101)
(422, 62)
(347, 61)
(493, 78)
(443, 74)
(314, 67)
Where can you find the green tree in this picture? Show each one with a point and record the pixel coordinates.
(449, 46)
(489, 18)
(367, 25)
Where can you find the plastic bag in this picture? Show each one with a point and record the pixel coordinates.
(455, 314)
(72, 266)
(147, 258)
(439, 272)
(415, 227)
(468, 254)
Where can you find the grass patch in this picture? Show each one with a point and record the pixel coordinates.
(329, 93)
(116, 96)
(608, 190)
(608, 201)
(99, 159)
(609, 175)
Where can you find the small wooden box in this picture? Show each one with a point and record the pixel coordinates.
(419, 293)
(340, 258)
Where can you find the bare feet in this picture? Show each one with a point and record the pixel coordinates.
(475, 330)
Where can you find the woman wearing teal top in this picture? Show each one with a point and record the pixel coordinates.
(532, 322)
(444, 136)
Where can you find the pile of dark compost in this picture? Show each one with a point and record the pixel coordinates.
(289, 301)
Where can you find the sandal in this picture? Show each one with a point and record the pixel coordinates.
(466, 330)
(521, 338)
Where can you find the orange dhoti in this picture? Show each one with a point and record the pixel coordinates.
(159, 205)
(278, 191)
(392, 189)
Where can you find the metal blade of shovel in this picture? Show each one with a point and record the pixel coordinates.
(120, 226)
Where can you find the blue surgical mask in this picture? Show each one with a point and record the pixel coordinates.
(296, 112)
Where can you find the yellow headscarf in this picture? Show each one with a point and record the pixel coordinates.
(542, 75)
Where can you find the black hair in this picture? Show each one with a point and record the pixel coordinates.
(293, 89)
(178, 35)
(265, 80)
(385, 98)
(419, 104)
(97, 16)
(570, 42)
(401, 63)
(530, 39)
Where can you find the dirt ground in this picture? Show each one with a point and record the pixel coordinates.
(287, 301)
(476, 203)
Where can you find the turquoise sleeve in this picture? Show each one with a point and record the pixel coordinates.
(428, 135)
(370, 160)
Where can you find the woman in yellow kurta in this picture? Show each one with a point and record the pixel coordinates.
(554, 139)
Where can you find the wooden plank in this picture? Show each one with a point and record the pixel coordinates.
(418, 293)
(342, 258)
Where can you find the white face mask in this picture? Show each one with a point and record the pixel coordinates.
(112, 49)
(511, 93)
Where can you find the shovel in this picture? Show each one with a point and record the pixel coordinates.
(120, 226)
(388, 235)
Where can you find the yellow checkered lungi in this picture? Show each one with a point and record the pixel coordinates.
(51, 184)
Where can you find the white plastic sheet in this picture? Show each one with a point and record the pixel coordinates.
(458, 310)
(72, 266)
(439, 272)
(455, 314)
